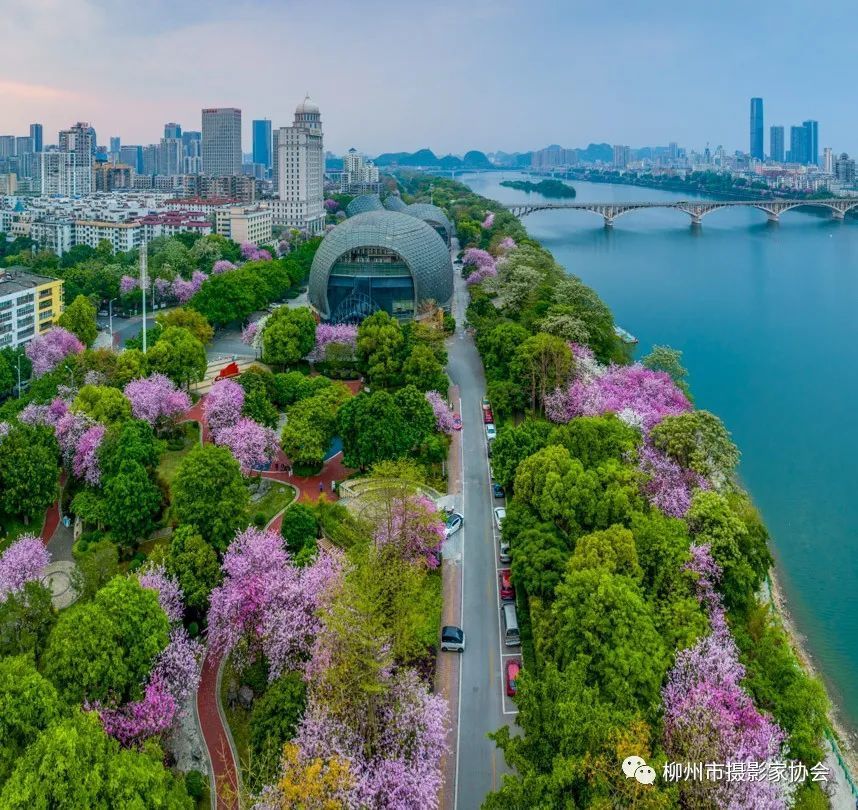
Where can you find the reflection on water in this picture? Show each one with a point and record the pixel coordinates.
(765, 314)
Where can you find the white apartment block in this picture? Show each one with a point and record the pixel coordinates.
(123, 236)
(359, 174)
(61, 174)
(300, 169)
(56, 235)
(245, 224)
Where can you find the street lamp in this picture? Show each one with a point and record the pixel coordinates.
(110, 316)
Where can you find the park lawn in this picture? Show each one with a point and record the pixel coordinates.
(171, 459)
(277, 498)
(11, 529)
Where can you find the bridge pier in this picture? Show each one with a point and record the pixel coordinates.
(773, 217)
(696, 220)
(838, 215)
(609, 221)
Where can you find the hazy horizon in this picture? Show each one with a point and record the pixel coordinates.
(499, 75)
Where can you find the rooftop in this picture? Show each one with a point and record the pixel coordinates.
(19, 279)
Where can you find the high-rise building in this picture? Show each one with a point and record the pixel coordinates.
(798, 146)
(36, 135)
(844, 170)
(132, 156)
(7, 146)
(172, 130)
(79, 142)
(60, 173)
(811, 129)
(275, 158)
(221, 141)
(360, 176)
(115, 144)
(828, 160)
(262, 142)
(150, 158)
(757, 129)
(170, 156)
(621, 156)
(301, 171)
(776, 144)
(23, 145)
(191, 143)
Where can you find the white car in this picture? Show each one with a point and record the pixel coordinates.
(491, 433)
(500, 514)
(454, 522)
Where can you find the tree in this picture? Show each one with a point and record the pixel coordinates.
(26, 619)
(132, 501)
(7, 375)
(189, 319)
(312, 782)
(194, 563)
(133, 440)
(73, 763)
(663, 358)
(273, 723)
(539, 558)
(612, 550)
(379, 345)
(595, 439)
(698, 441)
(372, 429)
(28, 471)
(299, 528)
(289, 335)
(514, 444)
(103, 403)
(498, 346)
(156, 400)
(48, 350)
(95, 567)
(28, 704)
(178, 355)
(209, 493)
(417, 413)
(79, 318)
(541, 364)
(103, 650)
(311, 425)
(130, 364)
(422, 370)
(258, 407)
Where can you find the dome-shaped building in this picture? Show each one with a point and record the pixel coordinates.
(434, 216)
(393, 202)
(380, 260)
(364, 203)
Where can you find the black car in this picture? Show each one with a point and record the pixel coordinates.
(452, 638)
(497, 490)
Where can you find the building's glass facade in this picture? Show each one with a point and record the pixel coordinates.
(757, 128)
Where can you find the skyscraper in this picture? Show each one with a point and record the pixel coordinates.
(828, 160)
(757, 128)
(221, 141)
(262, 142)
(36, 135)
(132, 156)
(79, 142)
(811, 129)
(776, 144)
(301, 171)
(798, 146)
(172, 130)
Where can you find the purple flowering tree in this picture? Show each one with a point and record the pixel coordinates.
(488, 221)
(85, 464)
(128, 284)
(442, 411)
(507, 244)
(69, 429)
(708, 717)
(4, 430)
(475, 257)
(638, 395)
(247, 250)
(170, 597)
(412, 526)
(343, 334)
(20, 563)
(47, 351)
(156, 400)
(222, 407)
(668, 485)
(331, 205)
(161, 287)
(252, 445)
(248, 334)
(222, 266)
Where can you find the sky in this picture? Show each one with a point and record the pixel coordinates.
(451, 75)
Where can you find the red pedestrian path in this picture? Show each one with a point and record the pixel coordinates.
(52, 515)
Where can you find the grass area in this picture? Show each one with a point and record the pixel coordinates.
(170, 459)
(11, 528)
(237, 719)
(278, 497)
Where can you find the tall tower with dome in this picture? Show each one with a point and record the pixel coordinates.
(300, 171)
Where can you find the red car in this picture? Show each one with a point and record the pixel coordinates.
(457, 422)
(488, 417)
(513, 667)
(507, 589)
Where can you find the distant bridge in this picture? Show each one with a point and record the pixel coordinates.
(696, 209)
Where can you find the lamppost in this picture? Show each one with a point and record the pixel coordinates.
(110, 316)
(144, 281)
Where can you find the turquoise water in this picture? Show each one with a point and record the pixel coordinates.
(765, 315)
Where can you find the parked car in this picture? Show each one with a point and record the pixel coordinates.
(485, 403)
(500, 514)
(457, 422)
(491, 433)
(497, 490)
(507, 589)
(488, 416)
(454, 522)
(513, 667)
(504, 554)
(452, 639)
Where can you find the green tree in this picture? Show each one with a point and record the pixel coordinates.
(416, 412)
(379, 348)
(26, 619)
(73, 763)
(105, 648)
(132, 501)
(195, 565)
(498, 347)
(663, 358)
(273, 722)
(514, 444)
(422, 370)
(541, 364)
(28, 471)
(133, 440)
(372, 429)
(79, 318)
(95, 567)
(299, 529)
(189, 319)
(699, 441)
(289, 335)
(178, 355)
(102, 403)
(28, 704)
(595, 439)
(583, 302)
(210, 494)
(228, 297)
(539, 558)
(130, 365)
(7, 375)
(612, 550)
(311, 425)
(258, 407)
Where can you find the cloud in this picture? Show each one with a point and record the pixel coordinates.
(23, 91)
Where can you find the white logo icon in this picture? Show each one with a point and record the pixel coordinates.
(637, 768)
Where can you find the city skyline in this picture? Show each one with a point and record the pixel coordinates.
(676, 61)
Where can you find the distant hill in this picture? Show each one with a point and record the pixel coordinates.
(422, 157)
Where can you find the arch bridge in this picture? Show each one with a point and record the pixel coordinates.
(696, 209)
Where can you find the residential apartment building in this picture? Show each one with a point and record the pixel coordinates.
(360, 176)
(123, 236)
(221, 141)
(29, 305)
(301, 171)
(245, 224)
(61, 174)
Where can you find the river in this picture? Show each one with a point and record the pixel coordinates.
(765, 315)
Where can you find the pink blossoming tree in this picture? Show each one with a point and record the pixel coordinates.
(488, 221)
(252, 445)
(85, 464)
(20, 563)
(222, 407)
(442, 411)
(128, 284)
(222, 266)
(412, 525)
(47, 351)
(170, 597)
(156, 400)
(343, 334)
(668, 485)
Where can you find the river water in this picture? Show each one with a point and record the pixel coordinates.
(766, 317)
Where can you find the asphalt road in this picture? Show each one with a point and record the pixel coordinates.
(483, 706)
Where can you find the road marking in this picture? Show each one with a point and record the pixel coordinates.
(461, 605)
